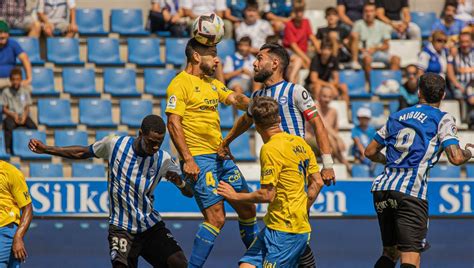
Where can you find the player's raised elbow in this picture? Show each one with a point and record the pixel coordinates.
(457, 159)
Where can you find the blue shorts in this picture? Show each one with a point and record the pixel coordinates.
(7, 260)
(276, 249)
(213, 169)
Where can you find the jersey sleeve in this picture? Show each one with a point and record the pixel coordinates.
(19, 189)
(103, 148)
(380, 135)
(270, 166)
(177, 99)
(169, 164)
(447, 131)
(305, 103)
(423, 60)
(222, 91)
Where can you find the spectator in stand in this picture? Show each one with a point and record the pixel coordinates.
(233, 16)
(254, 27)
(195, 8)
(10, 50)
(396, 13)
(370, 37)
(58, 15)
(166, 15)
(409, 91)
(238, 68)
(330, 118)
(460, 68)
(16, 106)
(336, 34)
(362, 135)
(350, 11)
(18, 14)
(451, 26)
(324, 72)
(434, 56)
(278, 12)
(464, 10)
(296, 37)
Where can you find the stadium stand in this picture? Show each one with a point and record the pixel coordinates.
(360, 171)
(63, 51)
(70, 138)
(120, 82)
(225, 48)
(21, 139)
(425, 20)
(157, 81)
(379, 77)
(355, 80)
(32, 49)
(89, 170)
(103, 51)
(43, 82)
(79, 82)
(378, 169)
(55, 113)
(3, 153)
(175, 51)
(144, 52)
(46, 170)
(96, 113)
(133, 111)
(100, 134)
(377, 108)
(127, 22)
(226, 114)
(240, 147)
(90, 21)
(470, 171)
(445, 171)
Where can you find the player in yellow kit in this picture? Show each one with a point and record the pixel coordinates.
(194, 126)
(14, 197)
(289, 182)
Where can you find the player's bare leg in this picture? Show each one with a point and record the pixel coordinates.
(389, 258)
(410, 260)
(247, 221)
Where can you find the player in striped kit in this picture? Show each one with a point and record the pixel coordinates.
(296, 108)
(136, 166)
(414, 137)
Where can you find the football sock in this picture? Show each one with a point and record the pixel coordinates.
(407, 265)
(307, 259)
(203, 243)
(248, 230)
(384, 262)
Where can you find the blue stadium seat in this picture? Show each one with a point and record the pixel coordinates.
(55, 113)
(17, 165)
(144, 52)
(445, 171)
(79, 82)
(70, 138)
(43, 82)
(90, 21)
(3, 152)
(240, 147)
(103, 51)
(378, 77)
(470, 171)
(360, 171)
(120, 82)
(378, 169)
(163, 103)
(355, 80)
(157, 81)
(96, 113)
(127, 22)
(175, 50)
(393, 106)
(376, 108)
(17, 32)
(21, 138)
(425, 20)
(88, 170)
(132, 112)
(226, 114)
(46, 170)
(63, 51)
(31, 48)
(225, 48)
(166, 145)
(100, 134)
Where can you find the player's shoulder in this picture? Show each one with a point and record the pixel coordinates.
(10, 170)
(179, 78)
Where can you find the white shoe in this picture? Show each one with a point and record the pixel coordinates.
(355, 65)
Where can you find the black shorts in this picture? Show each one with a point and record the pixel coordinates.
(155, 245)
(403, 220)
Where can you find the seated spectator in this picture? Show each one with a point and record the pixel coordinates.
(58, 15)
(434, 57)
(460, 68)
(370, 37)
(448, 24)
(396, 13)
(409, 91)
(238, 68)
(254, 27)
(336, 34)
(470, 104)
(166, 15)
(350, 11)
(464, 10)
(324, 72)
(18, 14)
(362, 135)
(296, 37)
(329, 115)
(233, 16)
(16, 107)
(196, 8)
(278, 12)
(10, 50)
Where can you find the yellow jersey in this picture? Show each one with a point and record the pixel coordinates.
(13, 194)
(196, 100)
(287, 161)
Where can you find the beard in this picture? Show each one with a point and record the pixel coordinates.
(207, 69)
(262, 76)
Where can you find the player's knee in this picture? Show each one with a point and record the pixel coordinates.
(177, 260)
(391, 252)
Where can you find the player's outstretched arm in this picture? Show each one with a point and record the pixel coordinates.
(373, 153)
(71, 152)
(324, 145)
(457, 156)
(18, 246)
(315, 184)
(265, 194)
(242, 124)
(238, 100)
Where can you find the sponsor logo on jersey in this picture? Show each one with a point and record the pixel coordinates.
(172, 102)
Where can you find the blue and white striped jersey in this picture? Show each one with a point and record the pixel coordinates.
(415, 137)
(295, 103)
(131, 183)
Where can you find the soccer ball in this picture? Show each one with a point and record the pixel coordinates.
(208, 29)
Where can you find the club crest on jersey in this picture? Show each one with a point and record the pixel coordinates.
(282, 100)
(213, 87)
(172, 102)
(113, 254)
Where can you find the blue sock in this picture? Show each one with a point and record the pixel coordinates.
(203, 243)
(248, 230)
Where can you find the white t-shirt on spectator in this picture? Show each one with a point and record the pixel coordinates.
(200, 7)
(258, 32)
(56, 10)
(231, 63)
